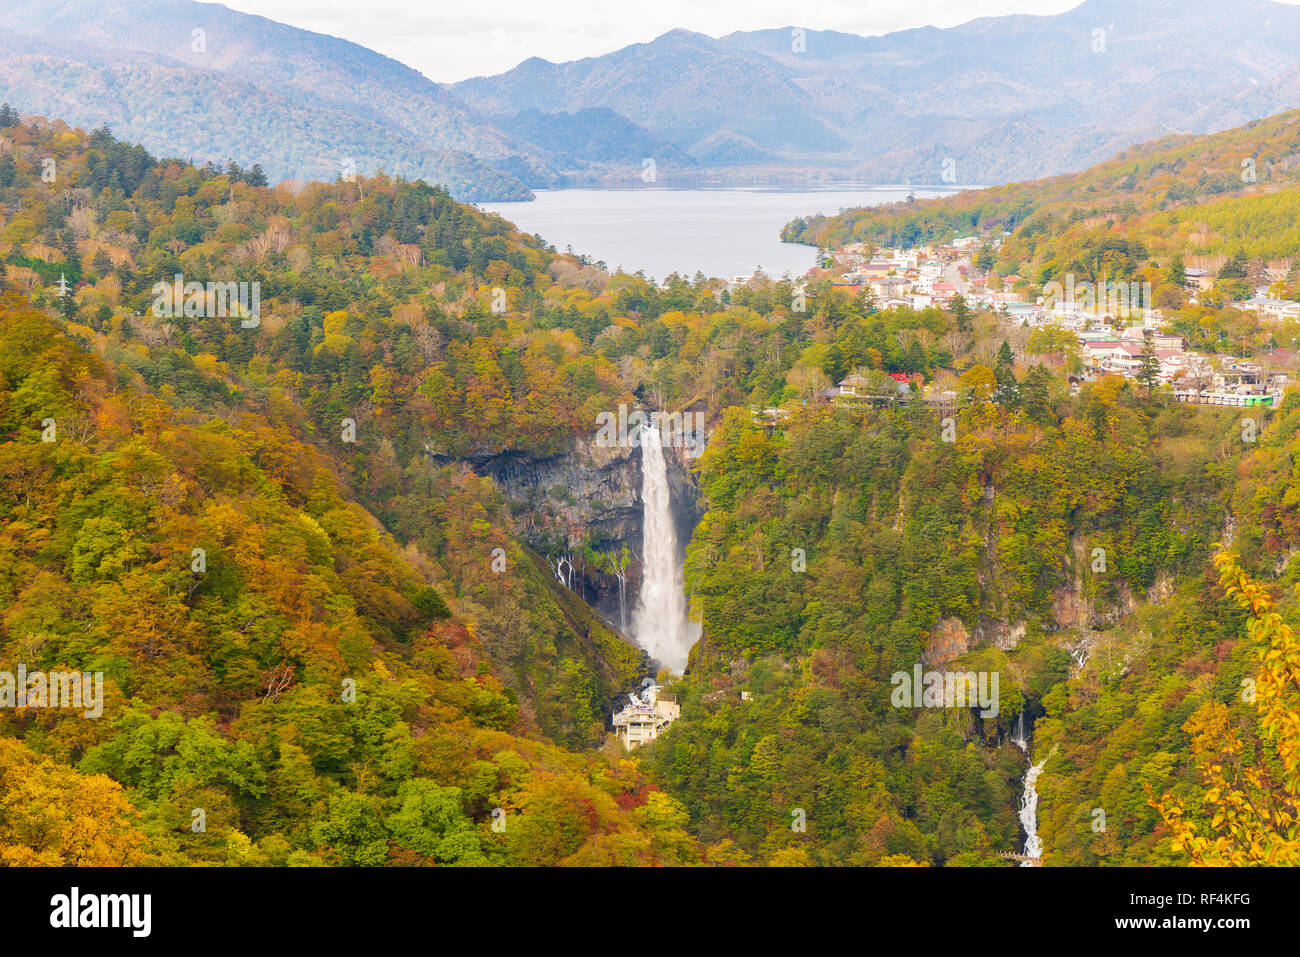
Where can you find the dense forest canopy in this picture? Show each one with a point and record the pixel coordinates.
(274, 536)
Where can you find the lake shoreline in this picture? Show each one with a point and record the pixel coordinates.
(659, 230)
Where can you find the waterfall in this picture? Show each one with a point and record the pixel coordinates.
(1029, 802)
(1029, 814)
(1018, 736)
(660, 622)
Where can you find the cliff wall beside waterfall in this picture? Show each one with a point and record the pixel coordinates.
(581, 509)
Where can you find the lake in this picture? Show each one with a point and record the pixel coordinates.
(720, 232)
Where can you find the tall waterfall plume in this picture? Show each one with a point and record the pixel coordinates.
(660, 621)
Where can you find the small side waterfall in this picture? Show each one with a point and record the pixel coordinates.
(659, 622)
(1018, 736)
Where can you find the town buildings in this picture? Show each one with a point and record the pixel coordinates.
(1113, 325)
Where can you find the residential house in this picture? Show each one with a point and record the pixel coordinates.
(890, 286)
(1240, 377)
(942, 402)
(1168, 340)
(1023, 311)
(1112, 356)
(1271, 308)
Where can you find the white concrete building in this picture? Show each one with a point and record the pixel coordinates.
(1271, 308)
(645, 717)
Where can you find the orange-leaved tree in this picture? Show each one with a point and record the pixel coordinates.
(1252, 778)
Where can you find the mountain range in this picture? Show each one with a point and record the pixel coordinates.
(993, 100)
(202, 81)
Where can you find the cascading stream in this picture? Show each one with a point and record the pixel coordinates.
(660, 621)
(1029, 814)
(1029, 802)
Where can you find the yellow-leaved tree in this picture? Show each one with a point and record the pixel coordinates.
(51, 815)
(1252, 778)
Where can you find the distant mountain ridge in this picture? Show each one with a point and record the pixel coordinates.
(301, 103)
(289, 138)
(590, 138)
(992, 100)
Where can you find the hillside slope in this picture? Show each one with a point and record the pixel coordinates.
(1202, 198)
(300, 103)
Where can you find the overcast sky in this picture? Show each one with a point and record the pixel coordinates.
(450, 40)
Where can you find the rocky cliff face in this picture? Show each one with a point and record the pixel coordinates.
(1082, 607)
(582, 509)
(950, 638)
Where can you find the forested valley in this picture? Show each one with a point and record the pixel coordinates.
(330, 629)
